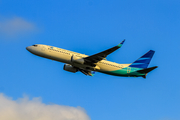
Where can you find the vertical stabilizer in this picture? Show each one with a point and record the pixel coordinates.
(143, 61)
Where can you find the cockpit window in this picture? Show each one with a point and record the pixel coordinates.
(34, 45)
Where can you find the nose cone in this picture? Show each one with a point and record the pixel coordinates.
(31, 49)
(28, 48)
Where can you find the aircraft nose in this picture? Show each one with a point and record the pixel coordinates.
(28, 48)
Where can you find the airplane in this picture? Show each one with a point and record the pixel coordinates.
(88, 65)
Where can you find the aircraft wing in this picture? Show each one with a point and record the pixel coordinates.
(99, 56)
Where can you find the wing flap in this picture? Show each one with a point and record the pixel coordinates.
(86, 72)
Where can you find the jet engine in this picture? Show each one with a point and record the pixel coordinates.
(75, 59)
(70, 68)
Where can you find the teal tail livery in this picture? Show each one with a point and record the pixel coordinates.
(89, 64)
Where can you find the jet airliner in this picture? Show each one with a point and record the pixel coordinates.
(88, 65)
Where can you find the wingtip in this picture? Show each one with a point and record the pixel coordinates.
(122, 41)
(120, 44)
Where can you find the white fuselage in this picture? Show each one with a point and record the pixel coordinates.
(65, 56)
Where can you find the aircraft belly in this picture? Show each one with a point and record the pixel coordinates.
(122, 72)
(119, 71)
(62, 58)
(107, 68)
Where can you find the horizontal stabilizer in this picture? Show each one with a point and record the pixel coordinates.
(147, 70)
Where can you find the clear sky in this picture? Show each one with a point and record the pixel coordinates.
(34, 88)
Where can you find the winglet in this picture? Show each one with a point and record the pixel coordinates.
(92, 73)
(120, 44)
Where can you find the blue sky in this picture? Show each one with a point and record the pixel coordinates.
(89, 27)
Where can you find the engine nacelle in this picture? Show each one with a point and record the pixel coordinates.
(75, 59)
(70, 68)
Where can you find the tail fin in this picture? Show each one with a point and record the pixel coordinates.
(143, 61)
(147, 70)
